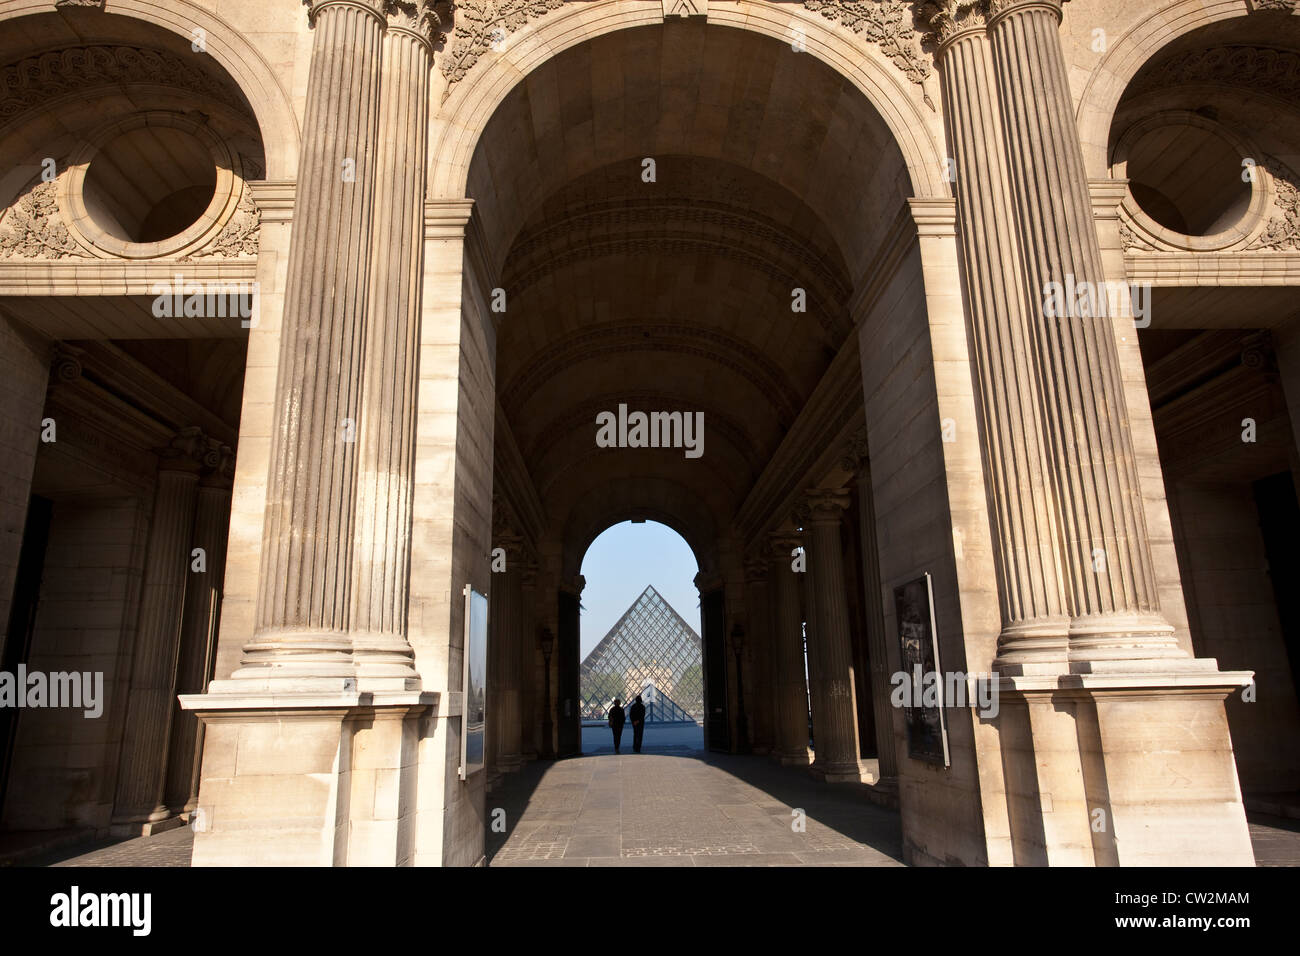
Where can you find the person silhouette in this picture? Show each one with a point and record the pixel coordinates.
(636, 713)
(616, 723)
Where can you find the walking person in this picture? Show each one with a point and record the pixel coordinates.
(636, 713)
(616, 723)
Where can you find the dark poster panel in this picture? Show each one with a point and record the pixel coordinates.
(713, 619)
(1279, 523)
(567, 722)
(927, 736)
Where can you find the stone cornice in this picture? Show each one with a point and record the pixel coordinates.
(830, 411)
(514, 480)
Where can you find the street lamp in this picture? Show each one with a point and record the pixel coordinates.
(742, 721)
(547, 640)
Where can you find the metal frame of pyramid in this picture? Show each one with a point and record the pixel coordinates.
(649, 646)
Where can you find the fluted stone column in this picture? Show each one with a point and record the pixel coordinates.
(791, 744)
(386, 431)
(857, 462)
(1109, 577)
(835, 723)
(1017, 473)
(758, 696)
(142, 766)
(199, 625)
(303, 602)
(507, 657)
(530, 690)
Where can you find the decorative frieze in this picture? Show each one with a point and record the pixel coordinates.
(1259, 69)
(32, 82)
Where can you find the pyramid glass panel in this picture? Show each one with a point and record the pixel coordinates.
(651, 651)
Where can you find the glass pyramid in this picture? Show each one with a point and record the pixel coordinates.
(651, 651)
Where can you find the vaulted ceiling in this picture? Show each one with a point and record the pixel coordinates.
(770, 174)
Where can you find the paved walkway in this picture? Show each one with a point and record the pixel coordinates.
(665, 810)
(669, 810)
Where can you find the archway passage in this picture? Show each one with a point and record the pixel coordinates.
(672, 221)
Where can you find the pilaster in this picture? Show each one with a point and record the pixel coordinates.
(791, 739)
(138, 806)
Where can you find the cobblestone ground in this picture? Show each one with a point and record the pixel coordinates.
(667, 810)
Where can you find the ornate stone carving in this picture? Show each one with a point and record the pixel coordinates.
(1130, 241)
(240, 236)
(947, 18)
(825, 504)
(855, 451)
(481, 24)
(886, 23)
(1282, 234)
(1260, 69)
(1257, 352)
(65, 366)
(1273, 6)
(33, 82)
(97, 4)
(33, 228)
(685, 8)
(418, 16)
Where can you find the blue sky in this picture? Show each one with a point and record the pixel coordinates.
(621, 562)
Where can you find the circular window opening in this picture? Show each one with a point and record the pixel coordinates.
(149, 184)
(1188, 179)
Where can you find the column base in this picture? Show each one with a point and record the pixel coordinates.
(786, 759)
(843, 773)
(1123, 763)
(306, 778)
(160, 821)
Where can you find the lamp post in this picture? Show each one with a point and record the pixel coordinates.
(742, 721)
(547, 640)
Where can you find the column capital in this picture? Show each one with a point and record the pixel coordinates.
(573, 585)
(185, 452)
(219, 464)
(1001, 9)
(65, 363)
(528, 577)
(781, 544)
(756, 568)
(949, 20)
(825, 505)
(854, 456)
(511, 542)
(418, 18)
(708, 581)
(316, 7)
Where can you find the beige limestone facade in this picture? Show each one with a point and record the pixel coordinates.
(308, 311)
